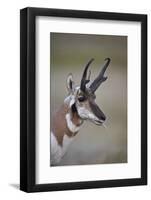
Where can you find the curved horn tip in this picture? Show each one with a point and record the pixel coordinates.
(108, 59)
(91, 60)
(84, 76)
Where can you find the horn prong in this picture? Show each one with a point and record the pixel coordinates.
(100, 78)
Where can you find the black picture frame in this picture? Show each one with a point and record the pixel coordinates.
(28, 99)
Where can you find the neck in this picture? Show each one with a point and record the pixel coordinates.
(66, 122)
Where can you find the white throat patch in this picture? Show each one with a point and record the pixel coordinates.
(72, 127)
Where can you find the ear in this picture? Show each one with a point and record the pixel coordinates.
(70, 83)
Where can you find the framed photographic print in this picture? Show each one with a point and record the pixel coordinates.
(83, 99)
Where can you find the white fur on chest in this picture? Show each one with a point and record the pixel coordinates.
(58, 151)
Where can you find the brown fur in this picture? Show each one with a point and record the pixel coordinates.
(59, 125)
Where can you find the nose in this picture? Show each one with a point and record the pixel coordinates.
(97, 111)
(103, 118)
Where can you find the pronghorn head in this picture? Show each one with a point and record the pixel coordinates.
(81, 98)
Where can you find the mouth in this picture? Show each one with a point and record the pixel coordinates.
(99, 122)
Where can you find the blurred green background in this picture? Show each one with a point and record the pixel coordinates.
(69, 54)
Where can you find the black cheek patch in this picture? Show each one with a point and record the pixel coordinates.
(97, 111)
(73, 107)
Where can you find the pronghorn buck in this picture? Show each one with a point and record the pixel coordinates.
(78, 106)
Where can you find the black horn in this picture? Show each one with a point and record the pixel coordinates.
(84, 79)
(100, 78)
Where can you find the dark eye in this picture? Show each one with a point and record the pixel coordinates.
(81, 98)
